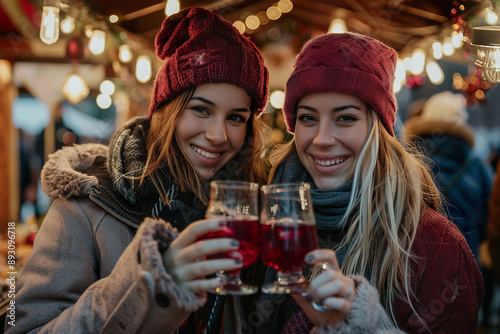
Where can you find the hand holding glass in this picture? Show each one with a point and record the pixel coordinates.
(288, 233)
(235, 202)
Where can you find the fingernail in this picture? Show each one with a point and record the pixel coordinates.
(238, 261)
(235, 243)
(309, 257)
(309, 298)
(222, 223)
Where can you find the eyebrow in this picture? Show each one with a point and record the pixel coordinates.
(204, 100)
(348, 106)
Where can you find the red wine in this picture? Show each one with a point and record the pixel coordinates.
(246, 230)
(284, 244)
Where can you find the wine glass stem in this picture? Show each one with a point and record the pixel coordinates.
(290, 277)
(230, 278)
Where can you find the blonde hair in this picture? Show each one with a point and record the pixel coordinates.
(162, 148)
(391, 187)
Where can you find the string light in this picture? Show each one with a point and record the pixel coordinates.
(124, 53)
(49, 28)
(97, 42)
(491, 16)
(277, 99)
(417, 62)
(172, 7)
(434, 72)
(75, 89)
(337, 26)
(68, 25)
(143, 69)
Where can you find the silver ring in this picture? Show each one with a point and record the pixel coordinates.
(348, 293)
(319, 306)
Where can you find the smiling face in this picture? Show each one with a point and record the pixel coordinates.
(330, 132)
(212, 127)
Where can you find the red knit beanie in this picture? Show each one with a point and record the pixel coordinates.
(199, 47)
(347, 63)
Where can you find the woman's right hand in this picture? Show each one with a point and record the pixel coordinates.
(186, 262)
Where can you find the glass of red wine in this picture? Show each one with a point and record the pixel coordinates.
(235, 202)
(288, 233)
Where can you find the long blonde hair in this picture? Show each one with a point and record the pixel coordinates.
(391, 187)
(162, 148)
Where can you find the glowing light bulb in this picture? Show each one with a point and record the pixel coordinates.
(337, 26)
(49, 29)
(491, 16)
(107, 87)
(75, 89)
(252, 22)
(240, 26)
(172, 7)
(103, 101)
(285, 6)
(437, 50)
(97, 42)
(68, 25)
(124, 53)
(434, 72)
(448, 48)
(143, 69)
(277, 99)
(417, 61)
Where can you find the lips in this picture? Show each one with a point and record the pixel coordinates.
(206, 154)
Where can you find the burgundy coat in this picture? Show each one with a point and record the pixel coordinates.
(447, 284)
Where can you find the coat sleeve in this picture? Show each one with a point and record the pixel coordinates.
(59, 290)
(450, 289)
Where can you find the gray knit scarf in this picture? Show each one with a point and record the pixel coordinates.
(329, 208)
(329, 204)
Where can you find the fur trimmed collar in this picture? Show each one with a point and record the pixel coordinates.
(63, 176)
(416, 126)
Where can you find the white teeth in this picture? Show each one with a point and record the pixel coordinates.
(205, 153)
(328, 162)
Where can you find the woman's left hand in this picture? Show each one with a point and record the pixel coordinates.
(331, 291)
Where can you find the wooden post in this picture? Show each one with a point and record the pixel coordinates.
(9, 153)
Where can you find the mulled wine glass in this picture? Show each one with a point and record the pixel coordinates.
(235, 202)
(288, 233)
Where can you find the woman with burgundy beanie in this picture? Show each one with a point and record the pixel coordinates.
(105, 260)
(393, 263)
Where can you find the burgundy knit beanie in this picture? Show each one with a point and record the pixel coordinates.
(347, 63)
(199, 47)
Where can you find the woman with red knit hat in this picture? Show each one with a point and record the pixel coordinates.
(105, 260)
(389, 261)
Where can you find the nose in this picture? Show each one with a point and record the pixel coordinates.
(325, 135)
(216, 131)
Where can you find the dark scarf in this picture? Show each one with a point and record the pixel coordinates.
(329, 208)
(127, 157)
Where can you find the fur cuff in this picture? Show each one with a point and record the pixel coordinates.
(153, 235)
